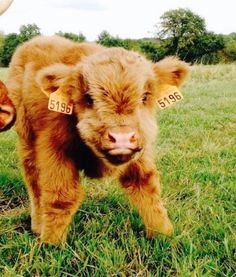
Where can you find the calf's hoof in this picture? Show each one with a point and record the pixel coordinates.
(165, 228)
(53, 238)
(35, 227)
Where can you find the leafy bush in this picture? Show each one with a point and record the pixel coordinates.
(152, 50)
(228, 54)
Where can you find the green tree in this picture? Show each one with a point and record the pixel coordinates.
(107, 40)
(74, 37)
(13, 40)
(28, 31)
(103, 36)
(184, 33)
(10, 43)
(81, 37)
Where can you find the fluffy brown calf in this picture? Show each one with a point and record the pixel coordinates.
(7, 110)
(110, 131)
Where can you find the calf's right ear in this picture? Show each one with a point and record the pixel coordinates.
(56, 77)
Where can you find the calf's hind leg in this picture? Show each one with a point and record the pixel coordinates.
(142, 187)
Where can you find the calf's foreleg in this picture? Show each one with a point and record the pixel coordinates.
(61, 193)
(142, 186)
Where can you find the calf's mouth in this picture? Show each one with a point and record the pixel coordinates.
(118, 156)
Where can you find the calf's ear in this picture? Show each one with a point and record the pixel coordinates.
(7, 110)
(56, 77)
(171, 71)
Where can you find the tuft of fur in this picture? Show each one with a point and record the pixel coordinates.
(113, 92)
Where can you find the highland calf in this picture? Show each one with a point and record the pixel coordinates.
(99, 117)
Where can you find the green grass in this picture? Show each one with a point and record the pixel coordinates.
(3, 73)
(196, 155)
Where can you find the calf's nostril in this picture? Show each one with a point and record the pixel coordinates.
(132, 138)
(112, 137)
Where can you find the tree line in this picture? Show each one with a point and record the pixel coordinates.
(180, 32)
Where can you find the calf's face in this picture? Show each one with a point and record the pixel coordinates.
(114, 97)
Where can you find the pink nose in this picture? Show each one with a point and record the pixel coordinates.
(122, 138)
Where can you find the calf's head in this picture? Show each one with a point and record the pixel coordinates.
(114, 96)
(7, 110)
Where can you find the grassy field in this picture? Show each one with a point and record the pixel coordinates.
(196, 155)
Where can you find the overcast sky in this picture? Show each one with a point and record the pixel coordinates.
(125, 18)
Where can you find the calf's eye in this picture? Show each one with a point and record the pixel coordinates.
(88, 100)
(145, 97)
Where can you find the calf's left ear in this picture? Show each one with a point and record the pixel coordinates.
(171, 71)
(56, 77)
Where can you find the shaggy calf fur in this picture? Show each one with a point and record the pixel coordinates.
(7, 110)
(110, 131)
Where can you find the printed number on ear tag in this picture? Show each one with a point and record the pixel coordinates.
(170, 96)
(58, 103)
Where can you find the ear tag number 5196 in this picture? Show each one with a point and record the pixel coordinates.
(59, 103)
(170, 95)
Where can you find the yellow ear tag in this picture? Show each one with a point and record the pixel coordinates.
(169, 96)
(59, 102)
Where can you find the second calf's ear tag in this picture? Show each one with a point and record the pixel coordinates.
(59, 102)
(169, 96)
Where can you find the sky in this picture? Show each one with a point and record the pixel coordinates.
(124, 18)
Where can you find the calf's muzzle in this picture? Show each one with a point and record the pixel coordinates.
(120, 144)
